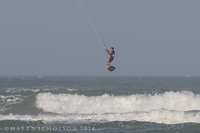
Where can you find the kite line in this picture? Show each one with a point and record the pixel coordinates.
(88, 22)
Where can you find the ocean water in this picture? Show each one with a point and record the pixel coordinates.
(100, 104)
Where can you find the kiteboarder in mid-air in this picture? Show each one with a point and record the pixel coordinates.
(112, 55)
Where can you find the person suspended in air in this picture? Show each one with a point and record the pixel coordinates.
(112, 55)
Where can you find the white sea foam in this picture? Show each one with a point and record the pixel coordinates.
(14, 90)
(7, 101)
(157, 116)
(168, 108)
(80, 104)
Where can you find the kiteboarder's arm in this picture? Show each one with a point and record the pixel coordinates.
(108, 51)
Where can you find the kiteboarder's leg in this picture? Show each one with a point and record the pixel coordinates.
(108, 62)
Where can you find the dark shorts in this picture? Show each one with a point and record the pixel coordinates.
(110, 59)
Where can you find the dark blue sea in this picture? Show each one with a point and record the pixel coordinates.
(99, 104)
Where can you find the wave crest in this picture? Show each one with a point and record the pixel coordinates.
(81, 104)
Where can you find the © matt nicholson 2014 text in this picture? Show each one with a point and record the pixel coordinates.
(48, 128)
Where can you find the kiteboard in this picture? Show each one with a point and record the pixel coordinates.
(111, 68)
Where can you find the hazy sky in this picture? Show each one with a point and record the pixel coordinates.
(150, 37)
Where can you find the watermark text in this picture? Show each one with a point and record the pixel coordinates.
(47, 128)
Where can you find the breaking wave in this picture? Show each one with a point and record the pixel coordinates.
(80, 104)
(169, 107)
